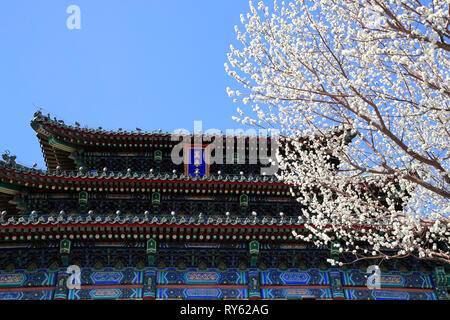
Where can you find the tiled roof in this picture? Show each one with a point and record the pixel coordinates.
(144, 220)
(39, 118)
(129, 175)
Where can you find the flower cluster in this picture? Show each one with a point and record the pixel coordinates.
(360, 89)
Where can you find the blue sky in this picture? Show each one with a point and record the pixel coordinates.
(139, 63)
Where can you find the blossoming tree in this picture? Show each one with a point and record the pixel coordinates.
(365, 83)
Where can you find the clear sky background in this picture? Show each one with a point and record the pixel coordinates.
(138, 63)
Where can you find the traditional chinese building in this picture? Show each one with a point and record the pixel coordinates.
(140, 227)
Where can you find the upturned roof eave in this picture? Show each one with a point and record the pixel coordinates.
(56, 178)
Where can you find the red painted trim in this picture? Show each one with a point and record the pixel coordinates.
(391, 289)
(112, 286)
(12, 289)
(135, 136)
(165, 225)
(346, 287)
(140, 180)
(203, 286)
(75, 131)
(293, 287)
(213, 286)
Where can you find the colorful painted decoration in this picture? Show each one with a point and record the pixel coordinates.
(9, 189)
(254, 247)
(200, 242)
(243, 200)
(354, 294)
(201, 293)
(64, 246)
(151, 246)
(294, 277)
(156, 198)
(60, 145)
(110, 293)
(83, 197)
(296, 293)
(196, 164)
(195, 276)
(158, 155)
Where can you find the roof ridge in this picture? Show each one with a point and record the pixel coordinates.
(92, 174)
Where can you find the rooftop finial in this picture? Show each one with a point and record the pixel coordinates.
(8, 158)
(38, 113)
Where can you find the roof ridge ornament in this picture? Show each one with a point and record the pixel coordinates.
(9, 158)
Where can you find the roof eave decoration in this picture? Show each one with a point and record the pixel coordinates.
(9, 189)
(55, 143)
(14, 173)
(41, 122)
(88, 136)
(80, 221)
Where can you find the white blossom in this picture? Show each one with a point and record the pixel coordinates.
(365, 85)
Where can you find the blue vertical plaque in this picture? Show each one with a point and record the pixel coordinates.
(197, 165)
